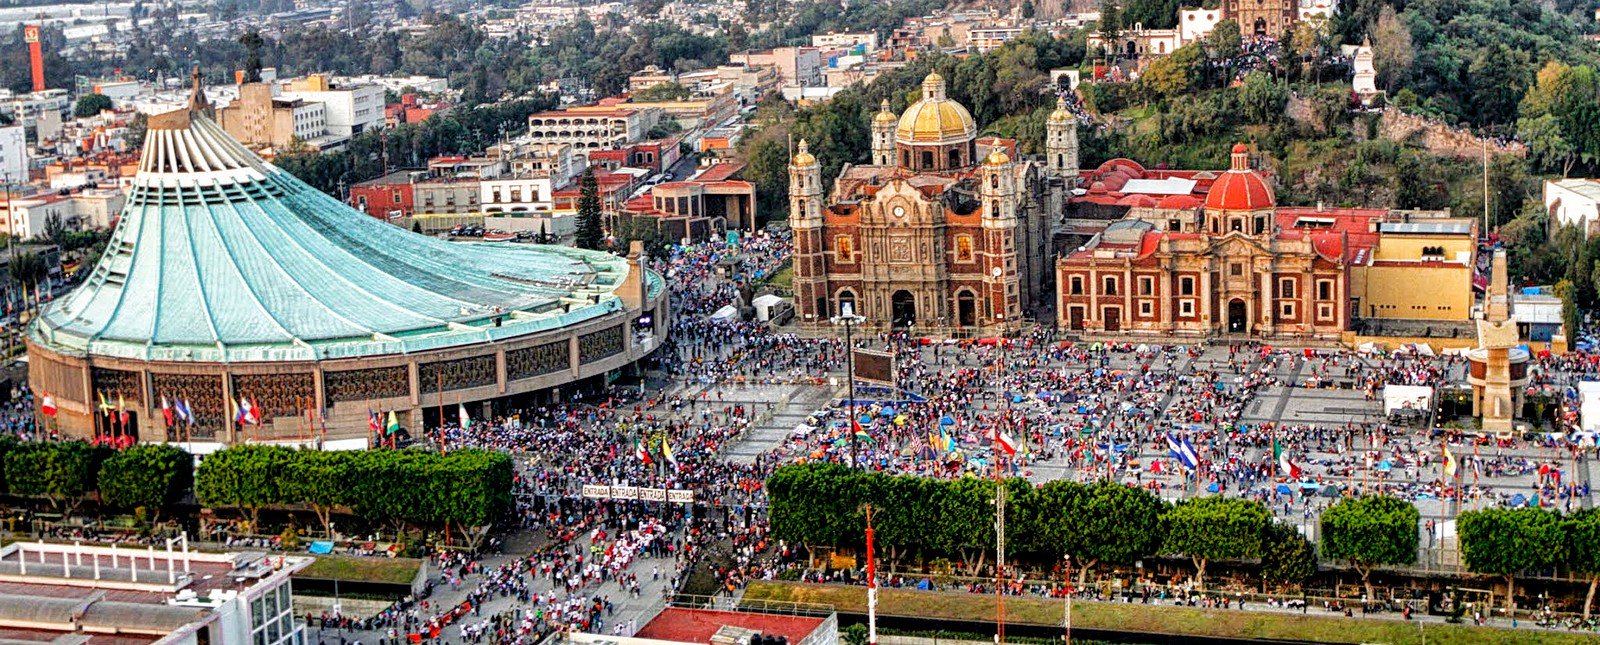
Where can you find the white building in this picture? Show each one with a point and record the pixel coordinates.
(13, 155)
(347, 111)
(1572, 202)
(26, 108)
(528, 193)
(846, 40)
(167, 596)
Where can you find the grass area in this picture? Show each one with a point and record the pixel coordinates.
(386, 570)
(783, 278)
(1148, 619)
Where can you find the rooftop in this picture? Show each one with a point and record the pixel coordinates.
(219, 256)
(683, 625)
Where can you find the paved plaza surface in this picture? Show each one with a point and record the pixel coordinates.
(728, 401)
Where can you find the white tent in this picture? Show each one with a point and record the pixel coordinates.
(727, 312)
(1415, 397)
(1369, 347)
(764, 304)
(1589, 406)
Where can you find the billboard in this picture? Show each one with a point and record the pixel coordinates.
(874, 367)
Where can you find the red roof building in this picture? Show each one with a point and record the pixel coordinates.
(1192, 253)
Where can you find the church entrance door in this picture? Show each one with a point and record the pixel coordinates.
(1237, 318)
(1075, 318)
(904, 306)
(966, 309)
(1261, 26)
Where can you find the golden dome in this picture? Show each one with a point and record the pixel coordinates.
(1062, 114)
(997, 158)
(884, 116)
(935, 119)
(802, 156)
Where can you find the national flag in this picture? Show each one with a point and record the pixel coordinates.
(466, 421)
(104, 407)
(666, 452)
(255, 413)
(48, 405)
(238, 410)
(122, 409)
(1003, 440)
(394, 423)
(166, 410)
(640, 453)
(184, 412)
(1449, 462)
(860, 433)
(1286, 466)
(1183, 451)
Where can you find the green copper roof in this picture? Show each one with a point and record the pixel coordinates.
(222, 257)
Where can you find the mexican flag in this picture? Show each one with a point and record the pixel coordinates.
(640, 452)
(48, 405)
(466, 421)
(1286, 466)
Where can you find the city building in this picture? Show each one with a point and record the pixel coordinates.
(348, 110)
(1136, 40)
(13, 155)
(592, 127)
(681, 625)
(836, 40)
(1271, 18)
(698, 208)
(389, 196)
(55, 593)
(1574, 202)
(26, 109)
(1200, 254)
(939, 231)
(989, 38)
(796, 65)
(227, 277)
(261, 118)
(651, 76)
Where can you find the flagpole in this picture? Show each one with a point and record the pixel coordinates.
(439, 436)
(872, 585)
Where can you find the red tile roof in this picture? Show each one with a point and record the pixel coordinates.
(698, 625)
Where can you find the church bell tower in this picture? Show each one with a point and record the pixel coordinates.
(883, 124)
(805, 220)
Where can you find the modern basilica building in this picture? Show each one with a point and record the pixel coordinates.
(227, 279)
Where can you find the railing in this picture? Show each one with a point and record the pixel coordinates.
(760, 606)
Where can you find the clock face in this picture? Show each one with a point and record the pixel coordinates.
(899, 211)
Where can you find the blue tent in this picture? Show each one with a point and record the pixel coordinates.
(320, 547)
(1309, 485)
(1284, 489)
(947, 421)
(1519, 500)
(1212, 488)
(1385, 466)
(888, 411)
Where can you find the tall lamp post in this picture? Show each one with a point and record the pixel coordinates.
(848, 318)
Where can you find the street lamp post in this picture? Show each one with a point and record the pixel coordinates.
(848, 318)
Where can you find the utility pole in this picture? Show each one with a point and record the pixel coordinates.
(999, 549)
(848, 318)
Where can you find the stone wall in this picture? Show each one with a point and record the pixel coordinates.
(1441, 139)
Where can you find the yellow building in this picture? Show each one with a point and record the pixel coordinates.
(1418, 271)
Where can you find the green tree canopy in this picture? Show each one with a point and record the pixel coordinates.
(1286, 556)
(1215, 528)
(91, 105)
(151, 476)
(63, 472)
(1508, 541)
(1369, 531)
(1583, 549)
(590, 235)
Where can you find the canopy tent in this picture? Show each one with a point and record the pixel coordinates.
(727, 312)
(1401, 397)
(1589, 406)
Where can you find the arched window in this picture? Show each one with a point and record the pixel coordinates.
(846, 298)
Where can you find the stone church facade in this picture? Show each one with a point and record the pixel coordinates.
(942, 233)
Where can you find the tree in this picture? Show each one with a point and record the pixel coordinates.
(318, 479)
(1175, 74)
(1212, 528)
(1105, 522)
(590, 234)
(1286, 556)
(1392, 52)
(1262, 99)
(64, 472)
(90, 105)
(1110, 24)
(1368, 531)
(246, 477)
(252, 43)
(1583, 549)
(669, 91)
(147, 475)
(1508, 541)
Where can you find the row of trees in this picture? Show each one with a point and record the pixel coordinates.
(824, 505)
(68, 473)
(462, 489)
